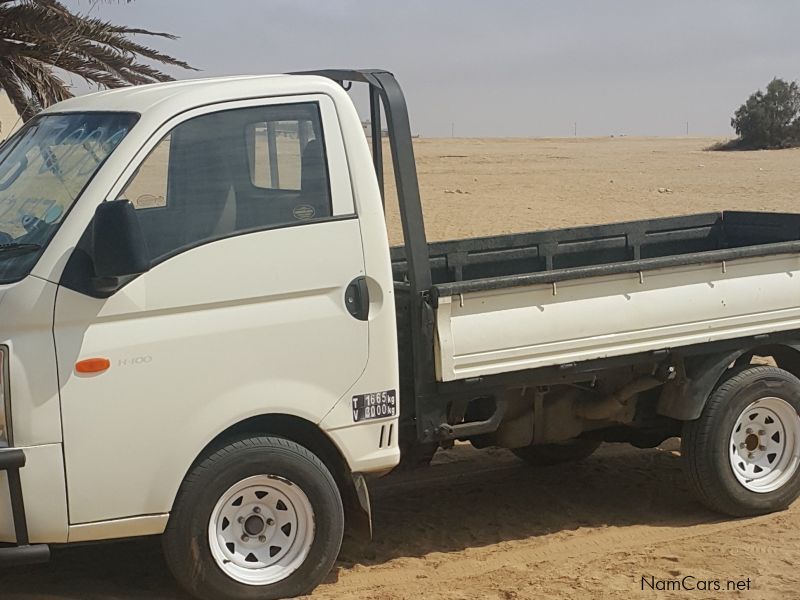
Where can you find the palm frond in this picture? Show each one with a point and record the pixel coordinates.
(39, 37)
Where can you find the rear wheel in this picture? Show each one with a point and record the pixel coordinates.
(556, 454)
(743, 454)
(260, 518)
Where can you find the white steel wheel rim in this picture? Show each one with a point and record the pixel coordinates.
(764, 448)
(261, 530)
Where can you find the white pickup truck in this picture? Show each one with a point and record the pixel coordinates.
(204, 333)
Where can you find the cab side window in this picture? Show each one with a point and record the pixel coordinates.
(231, 172)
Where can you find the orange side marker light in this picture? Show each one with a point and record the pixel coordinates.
(92, 365)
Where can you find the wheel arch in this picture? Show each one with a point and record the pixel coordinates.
(786, 356)
(358, 518)
(685, 397)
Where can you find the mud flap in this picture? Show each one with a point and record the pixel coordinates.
(358, 510)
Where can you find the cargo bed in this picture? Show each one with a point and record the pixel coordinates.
(523, 301)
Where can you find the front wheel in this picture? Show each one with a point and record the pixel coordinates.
(743, 454)
(260, 518)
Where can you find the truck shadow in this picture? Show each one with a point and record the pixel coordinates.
(479, 498)
(467, 499)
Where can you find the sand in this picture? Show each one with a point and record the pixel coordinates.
(480, 524)
(475, 187)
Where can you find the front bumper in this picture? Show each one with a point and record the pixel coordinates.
(22, 552)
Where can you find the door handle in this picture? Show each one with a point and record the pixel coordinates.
(356, 298)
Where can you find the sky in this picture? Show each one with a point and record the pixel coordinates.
(505, 67)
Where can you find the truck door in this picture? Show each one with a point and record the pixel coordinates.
(249, 218)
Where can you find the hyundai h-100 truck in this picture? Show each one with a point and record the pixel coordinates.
(205, 335)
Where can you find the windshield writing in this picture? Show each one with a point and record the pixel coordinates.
(43, 170)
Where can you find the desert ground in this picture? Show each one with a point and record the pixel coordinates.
(475, 187)
(481, 524)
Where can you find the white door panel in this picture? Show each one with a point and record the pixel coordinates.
(243, 326)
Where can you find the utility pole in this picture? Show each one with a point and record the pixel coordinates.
(575, 129)
(452, 130)
(687, 128)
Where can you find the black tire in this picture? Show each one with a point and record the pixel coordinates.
(705, 443)
(186, 543)
(556, 454)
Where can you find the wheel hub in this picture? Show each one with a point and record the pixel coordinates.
(765, 445)
(254, 525)
(261, 530)
(751, 442)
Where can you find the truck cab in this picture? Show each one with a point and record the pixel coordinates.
(254, 284)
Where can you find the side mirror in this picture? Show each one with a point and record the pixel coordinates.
(118, 245)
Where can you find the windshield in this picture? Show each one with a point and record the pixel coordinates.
(43, 170)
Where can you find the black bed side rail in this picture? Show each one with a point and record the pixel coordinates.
(638, 266)
(11, 461)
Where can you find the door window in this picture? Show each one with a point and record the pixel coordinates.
(229, 172)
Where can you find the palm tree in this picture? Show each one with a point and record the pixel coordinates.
(40, 37)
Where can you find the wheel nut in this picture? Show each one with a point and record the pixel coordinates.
(262, 538)
(762, 432)
(270, 522)
(762, 448)
(742, 445)
(750, 455)
(240, 520)
(256, 509)
(245, 538)
(748, 431)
